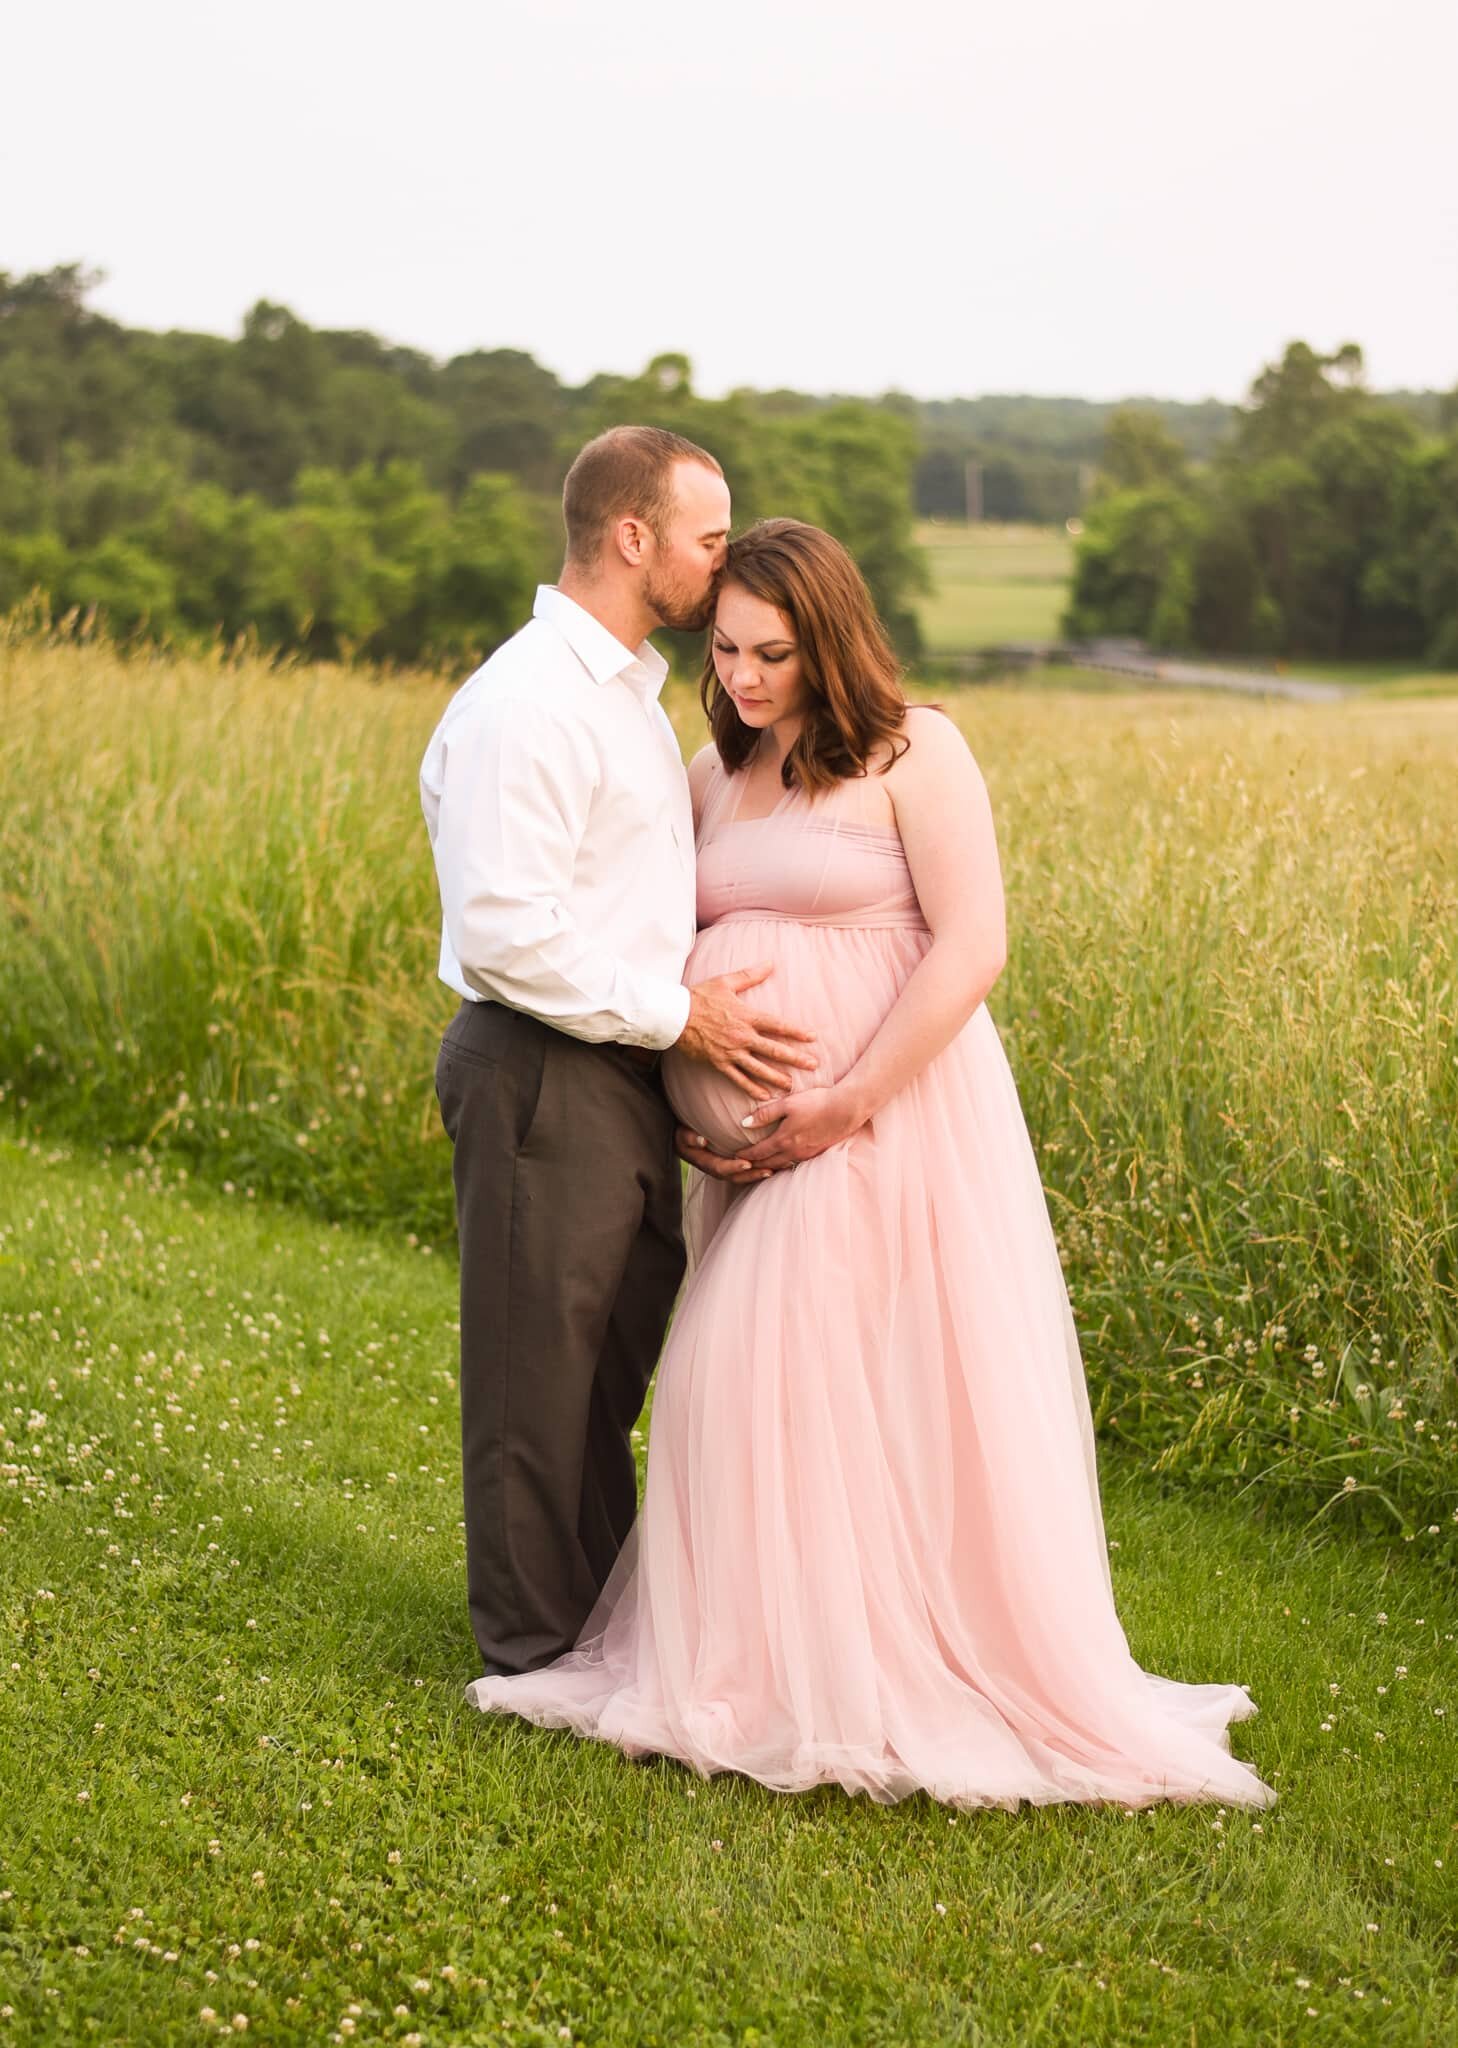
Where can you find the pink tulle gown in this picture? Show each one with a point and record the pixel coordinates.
(871, 1551)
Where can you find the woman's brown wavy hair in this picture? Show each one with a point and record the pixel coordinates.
(854, 680)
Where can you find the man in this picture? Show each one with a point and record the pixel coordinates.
(560, 821)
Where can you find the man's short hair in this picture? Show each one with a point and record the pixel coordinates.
(626, 473)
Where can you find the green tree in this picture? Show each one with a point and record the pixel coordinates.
(507, 415)
(1230, 608)
(129, 588)
(1292, 400)
(1140, 453)
(1133, 574)
(494, 554)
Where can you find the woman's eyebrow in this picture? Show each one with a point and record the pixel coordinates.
(763, 647)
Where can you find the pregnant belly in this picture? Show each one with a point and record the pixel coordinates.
(710, 1103)
(837, 983)
(704, 1099)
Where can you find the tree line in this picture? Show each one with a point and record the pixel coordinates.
(1325, 522)
(329, 492)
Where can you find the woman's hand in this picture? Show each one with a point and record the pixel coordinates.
(810, 1122)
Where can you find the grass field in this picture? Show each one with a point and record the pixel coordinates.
(1230, 1006)
(991, 584)
(243, 1794)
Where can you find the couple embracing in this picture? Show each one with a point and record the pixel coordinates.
(871, 1549)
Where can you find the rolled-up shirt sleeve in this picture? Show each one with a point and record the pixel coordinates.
(516, 789)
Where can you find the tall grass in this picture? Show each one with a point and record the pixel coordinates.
(1230, 1006)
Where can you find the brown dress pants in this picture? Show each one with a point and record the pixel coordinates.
(568, 1205)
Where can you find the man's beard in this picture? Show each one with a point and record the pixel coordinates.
(675, 607)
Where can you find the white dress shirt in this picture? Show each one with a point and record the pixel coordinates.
(562, 828)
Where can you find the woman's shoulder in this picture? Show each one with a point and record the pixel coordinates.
(928, 734)
(934, 761)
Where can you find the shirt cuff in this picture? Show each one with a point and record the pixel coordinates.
(665, 1014)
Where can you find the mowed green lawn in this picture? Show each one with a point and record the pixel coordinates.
(243, 1794)
(992, 584)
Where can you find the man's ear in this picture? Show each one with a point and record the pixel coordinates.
(633, 540)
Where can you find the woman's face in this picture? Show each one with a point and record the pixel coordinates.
(757, 658)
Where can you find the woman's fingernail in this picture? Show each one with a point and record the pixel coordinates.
(746, 1123)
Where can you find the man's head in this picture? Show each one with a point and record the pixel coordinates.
(649, 508)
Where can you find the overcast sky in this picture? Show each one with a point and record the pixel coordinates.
(1096, 197)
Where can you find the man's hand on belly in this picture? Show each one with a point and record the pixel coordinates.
(748, 1046)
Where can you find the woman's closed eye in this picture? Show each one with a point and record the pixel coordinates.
(770, 660)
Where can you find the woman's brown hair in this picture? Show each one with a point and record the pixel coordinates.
(854, 680)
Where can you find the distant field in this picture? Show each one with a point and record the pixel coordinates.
(992, 583)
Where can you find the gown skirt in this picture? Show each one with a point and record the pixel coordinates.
(871, 1549)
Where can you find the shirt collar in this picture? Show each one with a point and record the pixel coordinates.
(601, 654)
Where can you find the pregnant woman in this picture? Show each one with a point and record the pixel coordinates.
(871, 1550)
